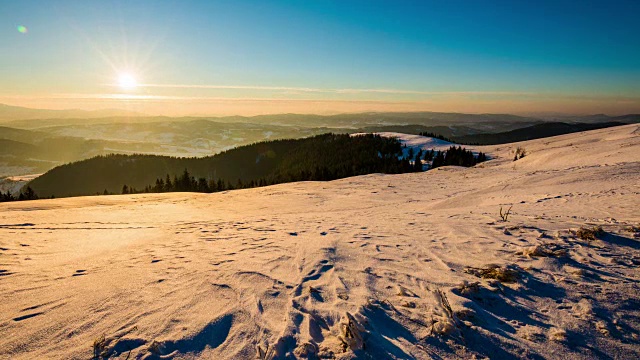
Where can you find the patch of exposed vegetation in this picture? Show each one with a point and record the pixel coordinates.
(557, 334)
(633, 229)
(520, 153)
(467, 288)
(505, 274)
(505, 215)
(589, 233)
(100, 348)
(543, 250)
(444, 321)
(351, 333)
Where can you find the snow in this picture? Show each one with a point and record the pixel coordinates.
(412, 144)
(416, 142)
(381, 266)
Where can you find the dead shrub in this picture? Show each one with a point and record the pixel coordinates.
(100, 348)
(543, 250)
(520, 153)
(589, 234)
(505, 215)
(505, 274)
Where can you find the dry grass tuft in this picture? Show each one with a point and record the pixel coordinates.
(633, 229)
(351, 333)
(505, 274)
(268, 353)
(306, 350)
(401, 291)
(543, 250)
(557, 334)
(443, 320)
(467, 288)
(409, 304)
(602, 327)
(100, 348)
(589, 234)
(520, 153)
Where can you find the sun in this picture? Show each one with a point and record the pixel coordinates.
(127, 81)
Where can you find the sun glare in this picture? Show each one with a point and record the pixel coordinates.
(127, 81)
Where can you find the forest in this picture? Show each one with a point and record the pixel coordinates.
(317, 158)
(187, 182)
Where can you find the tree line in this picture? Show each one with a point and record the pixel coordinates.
(318, 158)
(26, 194)
(457, 156)
(188, 183)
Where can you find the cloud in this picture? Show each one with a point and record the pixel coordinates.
(293, 89)
(443, 95)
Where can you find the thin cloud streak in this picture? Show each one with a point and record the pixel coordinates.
(451, 95)
(292, 89)
(325, 91)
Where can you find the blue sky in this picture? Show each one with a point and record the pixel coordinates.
(498, 56)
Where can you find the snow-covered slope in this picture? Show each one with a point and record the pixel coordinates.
(416, 142)
(378, 266)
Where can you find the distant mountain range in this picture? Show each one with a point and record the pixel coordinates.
(30, 145)
(21, 117)
(13, 113)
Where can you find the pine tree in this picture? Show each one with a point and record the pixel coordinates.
(7, 197)
(159, 186)
(438, 160)
(203, 186)
(213, 186)
(417, 163)
(29, 194)
(168, 186)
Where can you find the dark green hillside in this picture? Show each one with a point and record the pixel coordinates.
(332, 156)
(530, 133)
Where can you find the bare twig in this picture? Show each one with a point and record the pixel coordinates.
(505, 216)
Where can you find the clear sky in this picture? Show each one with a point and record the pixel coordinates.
(312, 56)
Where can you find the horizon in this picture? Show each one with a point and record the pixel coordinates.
(198, 58)
(122, 112)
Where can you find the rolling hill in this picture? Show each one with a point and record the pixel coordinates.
(335, 156)
(532, 132)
